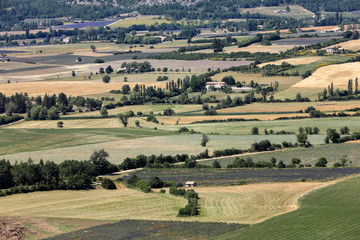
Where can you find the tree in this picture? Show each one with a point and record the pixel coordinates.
(333, 135)
(125, 89)
(216, 164)
(137, 123)
(156, 182)
(205, 139)
(53, 113)
(73, 74)
(295, 161)
(281, 164)
(229, 80)
(60, 124)
(302, 138)
(217, 45)
(165, 69)
(106, 79)
(255, 131)
(321, 162)
(104, 112)
(123, 118)
(345, 130)
(108, 184)
(101, 70)
(100, 160)
(109, 69)
(93, 48)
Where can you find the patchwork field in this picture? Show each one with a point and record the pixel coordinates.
(327, 213)
(294, 61)
(338, 74)
(353, 45)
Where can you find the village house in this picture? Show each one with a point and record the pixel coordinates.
(214, 86)
(66, 40)
(332, 50)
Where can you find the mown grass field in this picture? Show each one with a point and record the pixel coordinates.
(147, 20)
(235, 204)
(119, 148)
(327, 213)
(333, 153)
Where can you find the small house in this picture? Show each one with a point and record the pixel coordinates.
(213, 86)
(335, 49)
(66, 40)
(190, 184)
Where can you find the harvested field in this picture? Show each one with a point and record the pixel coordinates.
(235, 204)
(302, 41)
(147, 20)
(75, 88)
(294, 61)
(339, 74)
(296, 11)
(119, 149)
(353, 45)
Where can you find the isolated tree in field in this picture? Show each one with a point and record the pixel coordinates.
(302, 138)
(205, 139)
(165, 69)
(93, 48)
(109, 69)
(321, 162)
(101, 70)
(295, 161)
(255, 131)
(60, 124)
(125, 79)
(73, 74)
(137, 123)
(104, 112)
(273, 160)
(106, 79)
(123, 118)
(281, 165)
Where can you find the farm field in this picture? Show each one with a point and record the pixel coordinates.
(296, 11)
(25, 140)
(156, 230)
(333, 153)
(260, 48)
(142, 19)
(294, 61)
(221, 177)
(288, 125)
(119, 149)
(338, 74)
(353, 45)
(125, 203)
(323, 214)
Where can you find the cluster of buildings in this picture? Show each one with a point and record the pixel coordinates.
(218, 86)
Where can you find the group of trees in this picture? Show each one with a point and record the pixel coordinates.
(351, 93)
(70, 174)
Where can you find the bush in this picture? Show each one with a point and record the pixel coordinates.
(98, 60)
(108, 184)
(144, 186)
(152, 118)
(156, 182)
(191, 209)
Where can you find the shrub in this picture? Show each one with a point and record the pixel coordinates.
(98, 60)
(156, 182)
(152, 118)
(108, 184)
(144, 186)
(191, 209)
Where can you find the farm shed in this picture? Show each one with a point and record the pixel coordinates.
(190, 184)
(215, 86)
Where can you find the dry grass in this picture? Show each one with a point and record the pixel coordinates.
(338, 74)
(294, 61)
(75, 88)
(295, 10)
(239, 204)
(353, 45)
(147, 20)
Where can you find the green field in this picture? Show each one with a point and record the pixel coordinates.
(327, 213)
(120, 148)
(147, 20)
(333, 153)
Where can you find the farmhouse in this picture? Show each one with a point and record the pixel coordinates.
(213, 86)
(190, 184)
(332, 50)
(66, 40)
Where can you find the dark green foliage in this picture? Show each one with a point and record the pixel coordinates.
(229, 80)
(108, 184)
(216, 164)
(255, 131)
(144, 186)
(99, 60)
(152, 118)
(156, 182)
(321, 162)
(177, 191)
(204, 140)
(191, 209)
(101, 163)
(106, 79)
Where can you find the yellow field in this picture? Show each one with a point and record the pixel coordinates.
(295, 10)
(339, 74)
(147, 20)
(75, 88)
(239, 204)
(294, 61)
(353, 45)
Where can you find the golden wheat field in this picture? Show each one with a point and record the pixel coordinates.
(339, 74)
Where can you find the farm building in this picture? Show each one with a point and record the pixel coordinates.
(66, 40)
(334, 50)
(241, 89)
(213, 86)
(190, 184)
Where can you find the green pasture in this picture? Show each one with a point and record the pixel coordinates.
(328, 213)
